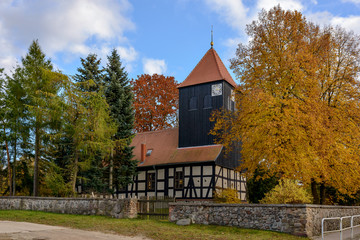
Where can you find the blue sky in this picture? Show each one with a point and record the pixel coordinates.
(152, 36)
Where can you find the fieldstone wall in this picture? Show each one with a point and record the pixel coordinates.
(301, 220)
(118, 208)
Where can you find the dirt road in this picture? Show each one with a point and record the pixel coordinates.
(31, 231)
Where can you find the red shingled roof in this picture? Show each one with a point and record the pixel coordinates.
(164, 145)
(209, 69)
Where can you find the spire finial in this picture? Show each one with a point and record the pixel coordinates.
(211, 43)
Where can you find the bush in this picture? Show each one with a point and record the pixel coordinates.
(288, 191)
(227, 195)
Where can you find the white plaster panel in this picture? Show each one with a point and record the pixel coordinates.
(243, 186)
(219, 182)
(151, 194)
(204, 192)
(225, 172)
(171, 193)
(187, 170)
(186, 182)
(207, 181)
(217, 169)
(141, 186)
(179, 169)
(160, 194)
(178, 194)
(243, 196)
(141, 176)
(198, 192)
(141, 194)
(171, 182)
(207, 170)
(171, 172)
(161, 174)
(197, 181)
(196, 170)
(160, 186)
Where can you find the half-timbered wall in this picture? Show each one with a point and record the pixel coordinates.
(199, 181)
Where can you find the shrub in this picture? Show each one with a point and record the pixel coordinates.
(288, 191)
(227, 195)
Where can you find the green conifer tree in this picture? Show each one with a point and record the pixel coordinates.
(90, 70)
(100, 126)
(120, 99)
(42, 86)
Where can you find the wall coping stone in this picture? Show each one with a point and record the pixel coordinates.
(61, 198)
(259, 205)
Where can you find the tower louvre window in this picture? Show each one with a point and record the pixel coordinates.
(207, 101)
(193, 103)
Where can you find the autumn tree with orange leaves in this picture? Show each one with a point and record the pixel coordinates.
(155, 102)
(298, 101)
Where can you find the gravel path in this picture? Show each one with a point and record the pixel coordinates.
(31, 231)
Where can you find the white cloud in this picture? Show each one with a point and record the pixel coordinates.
(75, 27)
(127, 54)
(285, 4)
(350, 23)
(233, 11)
(352, 1)
(152, 66)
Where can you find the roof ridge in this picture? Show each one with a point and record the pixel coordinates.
(153, 132)
(192, 71)
(217, 64)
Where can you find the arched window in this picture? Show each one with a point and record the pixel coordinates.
(207, 101)
(193, 103)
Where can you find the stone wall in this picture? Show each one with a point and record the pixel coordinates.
(118, 208)
(301, 220)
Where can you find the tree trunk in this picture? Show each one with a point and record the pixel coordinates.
(314, 191)
(8, 162)
(14, 168)
(322, 194)
(36, 162)
(111, 170)
(75, 171)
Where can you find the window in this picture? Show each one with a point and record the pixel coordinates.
(193, 103)
(231, 104)
(179, 180)
(207, 101)
(150, 181)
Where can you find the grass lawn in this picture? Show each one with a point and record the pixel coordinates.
(155, 229)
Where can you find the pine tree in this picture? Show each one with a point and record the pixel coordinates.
(120, 99)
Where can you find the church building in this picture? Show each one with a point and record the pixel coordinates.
(184, 162)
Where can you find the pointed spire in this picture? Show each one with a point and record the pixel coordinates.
(211, 43)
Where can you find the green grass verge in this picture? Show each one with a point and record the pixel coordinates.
(155, 229)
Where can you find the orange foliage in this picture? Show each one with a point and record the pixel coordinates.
(155, 102)
(298, 101)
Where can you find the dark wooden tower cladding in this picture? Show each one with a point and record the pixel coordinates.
(207, 88)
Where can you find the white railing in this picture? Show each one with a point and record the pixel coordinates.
(341, 229)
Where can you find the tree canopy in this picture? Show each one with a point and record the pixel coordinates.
(298, 101)
(155, 102)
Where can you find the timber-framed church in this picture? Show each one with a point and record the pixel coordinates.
(184, 162)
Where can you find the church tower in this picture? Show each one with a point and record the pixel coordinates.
(208, 87)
